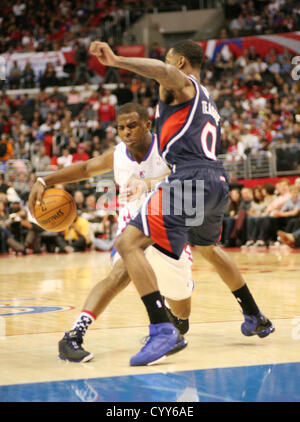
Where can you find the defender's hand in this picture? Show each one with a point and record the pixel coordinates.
(135, 189)
(35, 196)
(103, 52)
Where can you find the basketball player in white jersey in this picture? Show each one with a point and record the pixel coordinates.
(135, 162)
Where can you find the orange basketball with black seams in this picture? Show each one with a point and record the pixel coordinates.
(57, 210)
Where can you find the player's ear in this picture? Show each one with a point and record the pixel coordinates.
(181, 62)
(148, 124)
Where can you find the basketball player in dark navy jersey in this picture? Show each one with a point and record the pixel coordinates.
(189, 202)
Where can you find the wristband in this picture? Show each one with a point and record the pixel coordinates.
(42, 181)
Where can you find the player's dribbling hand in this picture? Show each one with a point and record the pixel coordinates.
(35, 196)
(103, 52)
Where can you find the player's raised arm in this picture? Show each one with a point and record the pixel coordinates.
(167, 75)
(74, 173)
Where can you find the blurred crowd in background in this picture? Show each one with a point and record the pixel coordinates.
(64, 25)
(257, 98)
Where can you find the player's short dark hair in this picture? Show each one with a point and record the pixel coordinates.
(134, 107)
(191, 51)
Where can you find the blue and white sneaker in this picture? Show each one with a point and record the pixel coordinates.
(257, 325)
(164, 340)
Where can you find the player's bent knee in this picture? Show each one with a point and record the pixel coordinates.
(122, 245)
(208, 252)
(131, 239)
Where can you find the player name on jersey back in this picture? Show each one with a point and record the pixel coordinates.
(208, 108)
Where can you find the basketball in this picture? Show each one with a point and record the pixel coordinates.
(57, 210)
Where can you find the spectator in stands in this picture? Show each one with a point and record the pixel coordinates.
(15, 76)
(21, 184)
(98, 130)
(297, 182)
(227, 110)
(22, 148)
(238, 233)
(41, 161)
(283, 195)
(280, 217)
(82, 74)
(73, 101)
(7, 239)
(48, 78)
(273, 65)
(156, 51)
(230, 216)
(261, 199)
(28, 76)
(75, 238)
(268, 191)
(95, 145)
(291, 207)
(65, 159)
(106, 112)
(80, 154)
(6, 150)
(264, 233)
(123, 93)
(20, 229)
(237, 25)
(3, 185)
(235, 149)
(249, 141)
(233, 181)
(79, 200)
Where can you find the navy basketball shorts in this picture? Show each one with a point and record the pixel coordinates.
(187, 206)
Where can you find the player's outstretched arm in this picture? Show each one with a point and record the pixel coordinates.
(166, 75)
(74, 173)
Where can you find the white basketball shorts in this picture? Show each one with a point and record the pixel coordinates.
(174, 276)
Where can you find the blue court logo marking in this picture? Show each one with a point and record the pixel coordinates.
(10, 310)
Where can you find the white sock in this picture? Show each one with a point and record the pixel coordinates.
(83, 322)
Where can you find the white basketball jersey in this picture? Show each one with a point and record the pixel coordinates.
(126, 167)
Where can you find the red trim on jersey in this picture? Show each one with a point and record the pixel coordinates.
(221, 232)
(172, 125)
(190, 256)
(156, 225)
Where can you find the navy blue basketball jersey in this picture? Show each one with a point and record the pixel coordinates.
(189, 131)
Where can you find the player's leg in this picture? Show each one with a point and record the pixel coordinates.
(255, 321)
(131, 246)
(70, 347)
(175, 283)
(206, 237)
(179, 312)
(181, 309)
(225, 266)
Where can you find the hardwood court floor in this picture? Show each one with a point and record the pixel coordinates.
(41, 295)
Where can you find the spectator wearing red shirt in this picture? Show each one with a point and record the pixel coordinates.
(106, 112)
(80, 155)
